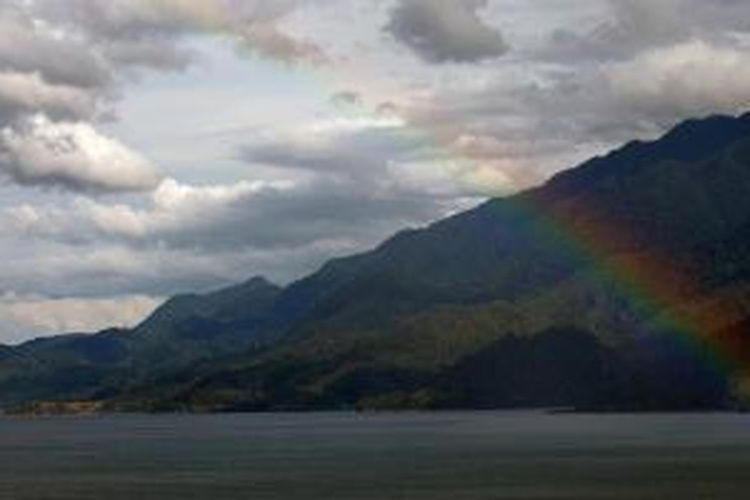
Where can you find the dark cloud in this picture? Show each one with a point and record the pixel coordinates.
(357, 149)
(440, 32)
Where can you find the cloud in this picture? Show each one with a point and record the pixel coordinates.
(382, 152)
(533, 122)
(126, 28)
(634, 26)
(195, 239)
(268, 40)
(30, 48)
(255, 216)
(181, 215)
(639, 97)
(73, 155)
(63, 64)
(330, 176)
(106, 268)
(246, 216)
(44, 315)
(689, 79)
(441, 32)
(358, 146)
(22, 93)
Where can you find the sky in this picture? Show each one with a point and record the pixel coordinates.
(153, 147)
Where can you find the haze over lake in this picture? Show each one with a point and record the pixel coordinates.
(466, 455)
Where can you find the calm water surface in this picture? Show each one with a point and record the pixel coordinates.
(523, 455)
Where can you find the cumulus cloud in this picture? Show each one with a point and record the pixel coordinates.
(73, 155)
(26, 46)
(441, 32)
(63, 64)
(688, 79)
(22, 93)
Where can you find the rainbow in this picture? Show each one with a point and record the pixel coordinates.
(655, 283)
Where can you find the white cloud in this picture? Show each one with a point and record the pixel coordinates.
(73, 155)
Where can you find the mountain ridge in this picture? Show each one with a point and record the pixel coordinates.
(383, 327)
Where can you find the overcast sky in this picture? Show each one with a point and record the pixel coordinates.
(149, 147)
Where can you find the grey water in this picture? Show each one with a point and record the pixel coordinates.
(471, 455)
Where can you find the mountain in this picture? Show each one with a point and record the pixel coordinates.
(191, 327)
(689, 142)
(617, 284)
(185, 330)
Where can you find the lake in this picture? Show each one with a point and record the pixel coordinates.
(463, 455)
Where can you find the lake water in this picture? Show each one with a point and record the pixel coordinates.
(457, 456)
